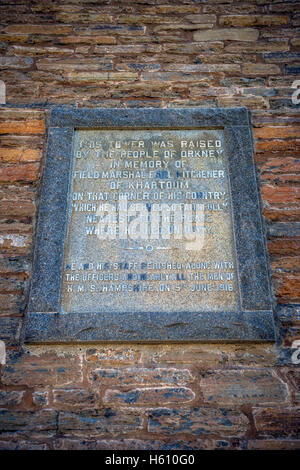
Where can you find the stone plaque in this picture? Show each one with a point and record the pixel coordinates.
(149, 229)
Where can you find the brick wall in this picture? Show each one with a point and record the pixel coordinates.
(155, 53)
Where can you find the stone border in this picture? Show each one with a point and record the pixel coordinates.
(254, 319)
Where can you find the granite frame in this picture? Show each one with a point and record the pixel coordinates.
(253, 321)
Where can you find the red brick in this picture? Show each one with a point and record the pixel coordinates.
(198, 421)
(10, 398)
(26, 173)
(44, 369)
(99, 422)
(253, 20)
(22, 127)
(287, 286)
(141, 444)
(286, 264)
(282, 195)
(22, 445)
(275, 444)
(256, 387)
(277, 146)
(112, 355)
(281, 165)
(20, 154)
(283, 422)
(286, 247)
(276, 132)
(282, 214)
(157, 396)
(18, 420)
(37, 29)
(140, 375)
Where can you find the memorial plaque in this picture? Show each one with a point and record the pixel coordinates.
(149, 229)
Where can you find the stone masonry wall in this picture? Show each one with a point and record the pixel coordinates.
(156, 53)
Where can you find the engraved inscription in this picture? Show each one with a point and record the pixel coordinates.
(150, 225)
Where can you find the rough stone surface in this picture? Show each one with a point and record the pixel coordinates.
(198, 421)
(247, 386)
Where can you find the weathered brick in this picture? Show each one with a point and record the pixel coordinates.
(40, 397)
(201, 18)
(253, 20)
(12, 303)
(146, 19)
(82, 17)
(194, 47)
(112, 355)
(149, 396)
(92, 39)
(287, 286)
(148, 89)
(283, 422)
(258, 46)
(135, 67)
(276, 214)
(22, 127)
(81, 77)
(133, 49)
(26, 173)
(166, 9)
(38, 50)
(13, 208)
(283, 103)
(260, 91)
(284, 247)
(260, 69)
(172, 76)
(139, 444)
(102, 422)
(291, 263)
(19, 154)
(75, 397)
(15, 62)
(10, 328)
(255, 354)
(230, 34)
(295, 42)
(17, 420)
(185, 354)
(256, 387)
(162, 29)
(280, 178)
(279, 56)
(11, 397)
(44, 369)
(67, 65)
(277, 132)
(22, 445)
(252, 102)
(275, 444)
(284, 229)
(198, 421)
(38, 29)
(281, 194)
(140, 375)
(203, 67)
(274, 146)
